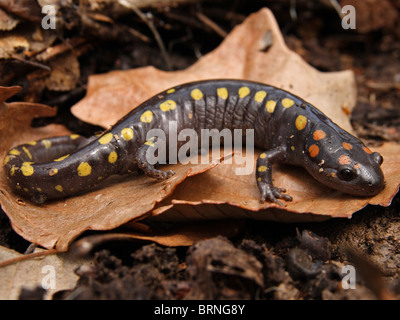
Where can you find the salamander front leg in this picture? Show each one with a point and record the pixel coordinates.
(264, 176)
(143, 163)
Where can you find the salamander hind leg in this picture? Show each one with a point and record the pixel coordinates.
(144, 154)
(264, 176)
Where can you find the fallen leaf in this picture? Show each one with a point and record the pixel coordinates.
(241, 56)
(7, 22)
(220, 193)
(54, 272)
(179, 234)
(64, 73)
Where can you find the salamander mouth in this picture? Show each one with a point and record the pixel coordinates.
(367, 187)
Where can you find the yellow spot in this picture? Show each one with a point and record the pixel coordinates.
(301, 122)
(106, 138)
(260, 96)
(147, 116)
(222, 93)
(127, 134)
(112, 157)
(74, 136)
(270, 106)
(46, 143)
(168, 105)
(62, 158)
(150, 142)
(12, 170)
(53, 172)
(6, 159)
(27, 169)
(171, 90)
(263, 155)
(59, 188)
(259, 179)
(27, 152)
(287, 103)
(32, 143)
(26, 189)
(293, 148)
(14, 152)
(196, 94)
(262, 169)
(243, 92)
(39, 189)
(84, 169)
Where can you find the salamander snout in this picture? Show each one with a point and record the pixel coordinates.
(367, 179)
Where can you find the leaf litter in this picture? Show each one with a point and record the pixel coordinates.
(207, 192)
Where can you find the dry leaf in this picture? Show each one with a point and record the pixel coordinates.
(64, 73)
(55, 272)
(180, 234)
(220, 193)
(241, 56)
(7, 22)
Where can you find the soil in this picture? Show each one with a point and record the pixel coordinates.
(268, 260)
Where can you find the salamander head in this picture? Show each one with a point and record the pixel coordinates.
(342, 162)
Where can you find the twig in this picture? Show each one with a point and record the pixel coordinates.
(211, 24)
(27, 257)
(32, 63)
(150, 24)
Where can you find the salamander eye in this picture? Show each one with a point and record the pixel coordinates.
(377, 158)
(346, 173)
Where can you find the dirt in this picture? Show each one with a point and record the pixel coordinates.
(268, 260)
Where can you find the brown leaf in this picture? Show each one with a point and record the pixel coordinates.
(180, 234)
(7, 22)
(220, 193)
(241, 55)
(64, 73)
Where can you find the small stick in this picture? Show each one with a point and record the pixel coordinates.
(157, 36)
(211, 24)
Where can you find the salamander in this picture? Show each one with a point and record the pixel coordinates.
(288, 129)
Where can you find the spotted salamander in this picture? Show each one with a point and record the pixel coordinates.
(289, 129)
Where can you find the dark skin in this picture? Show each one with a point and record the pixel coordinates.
(289, 129)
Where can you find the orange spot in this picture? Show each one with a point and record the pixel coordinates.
(347, 146)
(313, 150)
(344, 159)
(367, 150)
(319, 135)
(357, 166)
